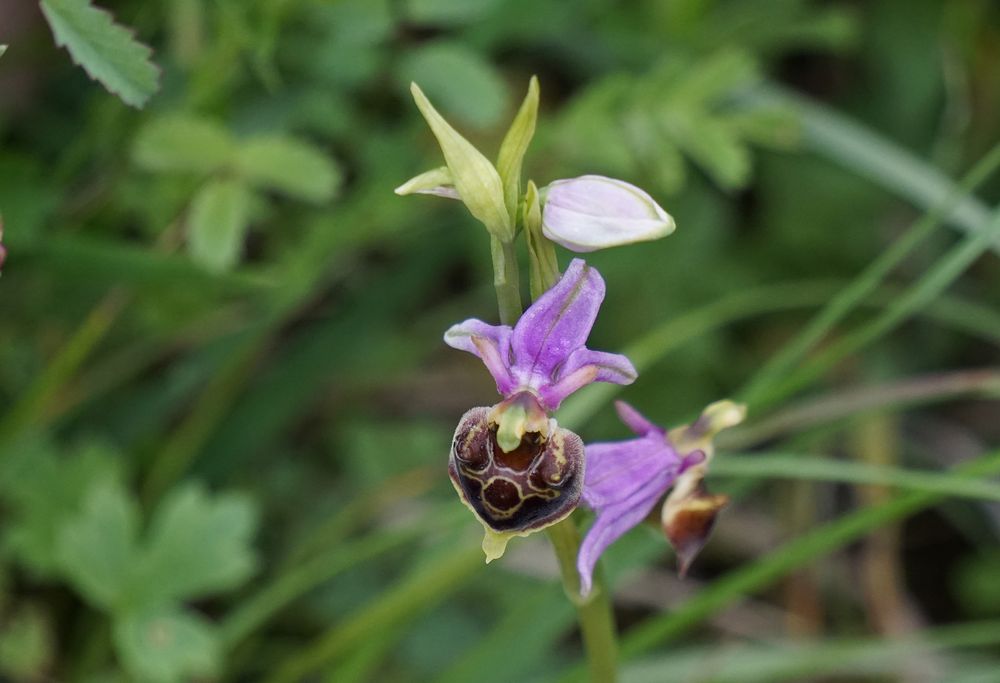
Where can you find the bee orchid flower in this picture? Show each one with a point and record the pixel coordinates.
(511, 464)
(626, 479)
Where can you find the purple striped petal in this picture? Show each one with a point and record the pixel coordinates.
(491, 343)
(623, 483)
(585, 366)
(557, 324)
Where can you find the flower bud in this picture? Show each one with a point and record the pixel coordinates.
(594, 212)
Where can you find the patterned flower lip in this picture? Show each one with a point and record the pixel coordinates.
(625, 479)
(522, 490)
(545, 353)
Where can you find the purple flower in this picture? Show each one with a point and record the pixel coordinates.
(544, 353)
(511, 464)
(624, 480)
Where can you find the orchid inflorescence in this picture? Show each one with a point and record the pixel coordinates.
(511, 463)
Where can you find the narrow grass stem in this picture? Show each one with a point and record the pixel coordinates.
(594, 613)
(947, 270)
(31, 408)
(867, 282)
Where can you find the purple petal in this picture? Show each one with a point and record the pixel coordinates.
(552, 395)
(557, 324)
(491, 343)
(623, 483)
(583, 367)
(619, 471)
(636, 421)
(607, 528)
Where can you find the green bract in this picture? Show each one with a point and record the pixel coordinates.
(515, 144)
(477, 181)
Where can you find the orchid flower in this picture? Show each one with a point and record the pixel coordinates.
(511, 464)
(625, 479)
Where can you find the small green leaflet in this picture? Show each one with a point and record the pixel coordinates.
(106, 51)
(3, 48)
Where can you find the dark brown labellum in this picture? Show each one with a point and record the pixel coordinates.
(524, 489)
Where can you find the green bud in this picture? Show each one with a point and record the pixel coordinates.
(476, 180)
(543, 265)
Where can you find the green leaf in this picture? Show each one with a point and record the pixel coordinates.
(43, 492)
(183, 143)
(106, 51)
(467, 86)
(515, 144)
(447, 12)
(476, 180)
(3, 48)
(97, 548)
(218, 222)
(165, 646)
(289, 166)
(714, 146)
(197, 545)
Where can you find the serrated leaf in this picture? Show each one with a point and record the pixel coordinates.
(217, 223)
(712, 78)
(97, 548)
(183, 143)
(107, 51)
(166, 646)
(712, 145)
(289, 166)
(43, 492)
(196, 545)
(775, 127)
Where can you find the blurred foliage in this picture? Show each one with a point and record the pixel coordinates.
(226, 407)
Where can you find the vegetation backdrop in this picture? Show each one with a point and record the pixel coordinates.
(226, 405)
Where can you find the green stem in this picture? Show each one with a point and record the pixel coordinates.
(32, 407)
(597, 624)
(505, 280)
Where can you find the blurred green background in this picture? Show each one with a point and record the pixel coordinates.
(226, 405)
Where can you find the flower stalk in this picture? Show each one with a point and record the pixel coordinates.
(594, 612)
(511, 464)
(506, 279)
